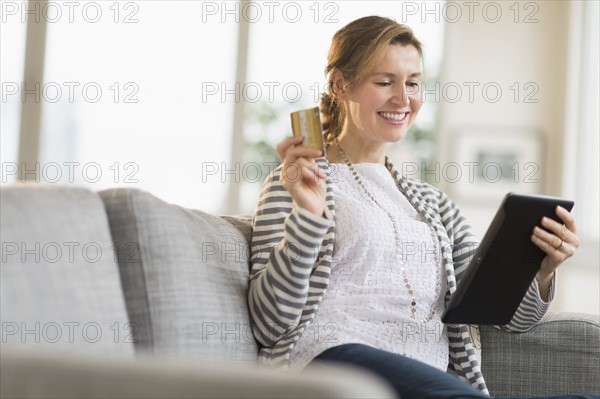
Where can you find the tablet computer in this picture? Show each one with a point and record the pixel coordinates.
(504, 264)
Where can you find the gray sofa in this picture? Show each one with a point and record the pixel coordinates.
(119, 294)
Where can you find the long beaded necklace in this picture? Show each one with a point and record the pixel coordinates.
(398, 242)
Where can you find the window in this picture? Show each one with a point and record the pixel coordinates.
(126, 103)
(581, 163)
(588, 182)
(12, 54)
(144, 94)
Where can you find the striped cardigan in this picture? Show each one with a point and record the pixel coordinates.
(292, 252)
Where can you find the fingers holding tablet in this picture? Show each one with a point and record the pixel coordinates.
(558, 241)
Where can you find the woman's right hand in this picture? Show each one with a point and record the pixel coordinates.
(301, 176)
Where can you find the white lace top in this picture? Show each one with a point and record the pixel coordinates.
(367, 300)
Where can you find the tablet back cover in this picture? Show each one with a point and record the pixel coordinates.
(504, 264)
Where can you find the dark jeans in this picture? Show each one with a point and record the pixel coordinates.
(410, 378)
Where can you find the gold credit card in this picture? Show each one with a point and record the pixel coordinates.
(307, 123)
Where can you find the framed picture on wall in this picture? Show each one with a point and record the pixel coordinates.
(491, 161)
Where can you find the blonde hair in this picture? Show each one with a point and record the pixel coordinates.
(355, 50)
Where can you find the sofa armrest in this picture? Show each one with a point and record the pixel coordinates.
(559, 355)
(25, 373)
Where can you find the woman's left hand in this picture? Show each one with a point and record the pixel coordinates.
(559, 244)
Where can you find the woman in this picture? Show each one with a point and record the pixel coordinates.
(327, 282)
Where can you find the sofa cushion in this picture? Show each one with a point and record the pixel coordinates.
(60, 284)
(185, 276)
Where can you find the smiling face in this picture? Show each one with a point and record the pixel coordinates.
(384, 104)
